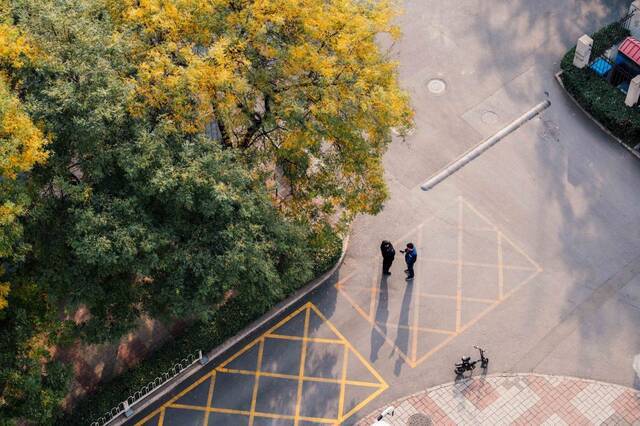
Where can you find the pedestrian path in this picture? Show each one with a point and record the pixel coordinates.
(520, 399)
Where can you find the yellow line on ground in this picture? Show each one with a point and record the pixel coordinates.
(343, 379)
(437, 348)
(500, 270)
(161, 419)
(209, 398)
(425, 329)
(347, 343)
(257, 413)
(479, 228)
(416, 305)
(383, 384)
(374, 289)
(178, 396)
(522, 252)
(480, 264)
(253, 343)
(188, 407)
(365, 402)
(450, 297)
(483, 217)
(295, 377)
(307, 339)
(376, 327)
(256, 383)
(344, 280)
(303, 354)
(459, 284)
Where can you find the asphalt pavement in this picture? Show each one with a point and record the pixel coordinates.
(532, 251)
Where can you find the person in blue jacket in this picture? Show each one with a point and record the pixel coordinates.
(410, 257)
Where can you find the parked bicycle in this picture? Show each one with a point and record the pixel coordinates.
(467, 365)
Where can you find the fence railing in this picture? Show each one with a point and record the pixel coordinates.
(604, 62)
(126, 407)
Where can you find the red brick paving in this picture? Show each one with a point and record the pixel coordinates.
(520, 399)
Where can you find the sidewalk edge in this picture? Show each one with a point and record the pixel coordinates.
(604, 129)
(277, 310)
(398, 401)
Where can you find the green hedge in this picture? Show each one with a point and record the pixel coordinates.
(603, 101)
(230, 319)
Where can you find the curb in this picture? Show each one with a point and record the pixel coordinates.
(558, 76)
(398, 401)
(216, 352)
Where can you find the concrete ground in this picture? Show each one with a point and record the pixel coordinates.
(531, 251)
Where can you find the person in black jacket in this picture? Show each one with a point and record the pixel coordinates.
(388, 254)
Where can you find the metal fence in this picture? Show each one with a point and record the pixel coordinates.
(127, 405)
(604, 60)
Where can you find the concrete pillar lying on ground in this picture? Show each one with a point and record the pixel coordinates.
(583, 51)
(634, 22)
(634, 92)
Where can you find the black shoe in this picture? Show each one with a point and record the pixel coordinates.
(409, 279)
(387, 273)
(406, 271)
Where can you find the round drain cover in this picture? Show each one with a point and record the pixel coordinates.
(489, 117)
(419, 420)
(436, 86)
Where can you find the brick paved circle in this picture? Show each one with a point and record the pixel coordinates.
(521, 399)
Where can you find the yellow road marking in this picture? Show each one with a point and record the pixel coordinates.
(306, 339)
(450, 297)
(374, 287)
(256, 383)
(425, 329)
(381, 332)
(343, 379)
(270, 331)
(500, 270)
(459, 284)
(161, 419)
(416, 306)
(479, 264)
(252, 413)
(458, 297)
(210, 397)
(296, 377)
(353, 350)
(248, 413)
(188, 407)
(303, 354)
(483, 217)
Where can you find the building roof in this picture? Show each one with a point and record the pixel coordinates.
(630, 47)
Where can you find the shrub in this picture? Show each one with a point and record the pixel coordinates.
(232, 317)
(600, 99)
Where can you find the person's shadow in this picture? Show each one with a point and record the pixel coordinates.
(404, 332)
(381, 316)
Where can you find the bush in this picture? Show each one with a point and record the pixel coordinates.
(232, 317)
(600, 99)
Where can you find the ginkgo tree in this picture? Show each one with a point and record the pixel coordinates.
(299, 85)
(141, 146)
(21, 148)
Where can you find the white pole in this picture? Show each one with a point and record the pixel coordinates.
(469, 156)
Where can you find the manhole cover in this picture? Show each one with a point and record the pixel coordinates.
(436, 86)
(489, 117)
(419, 420)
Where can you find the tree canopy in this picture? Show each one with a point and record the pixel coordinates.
(298, 85)
(158, 157)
